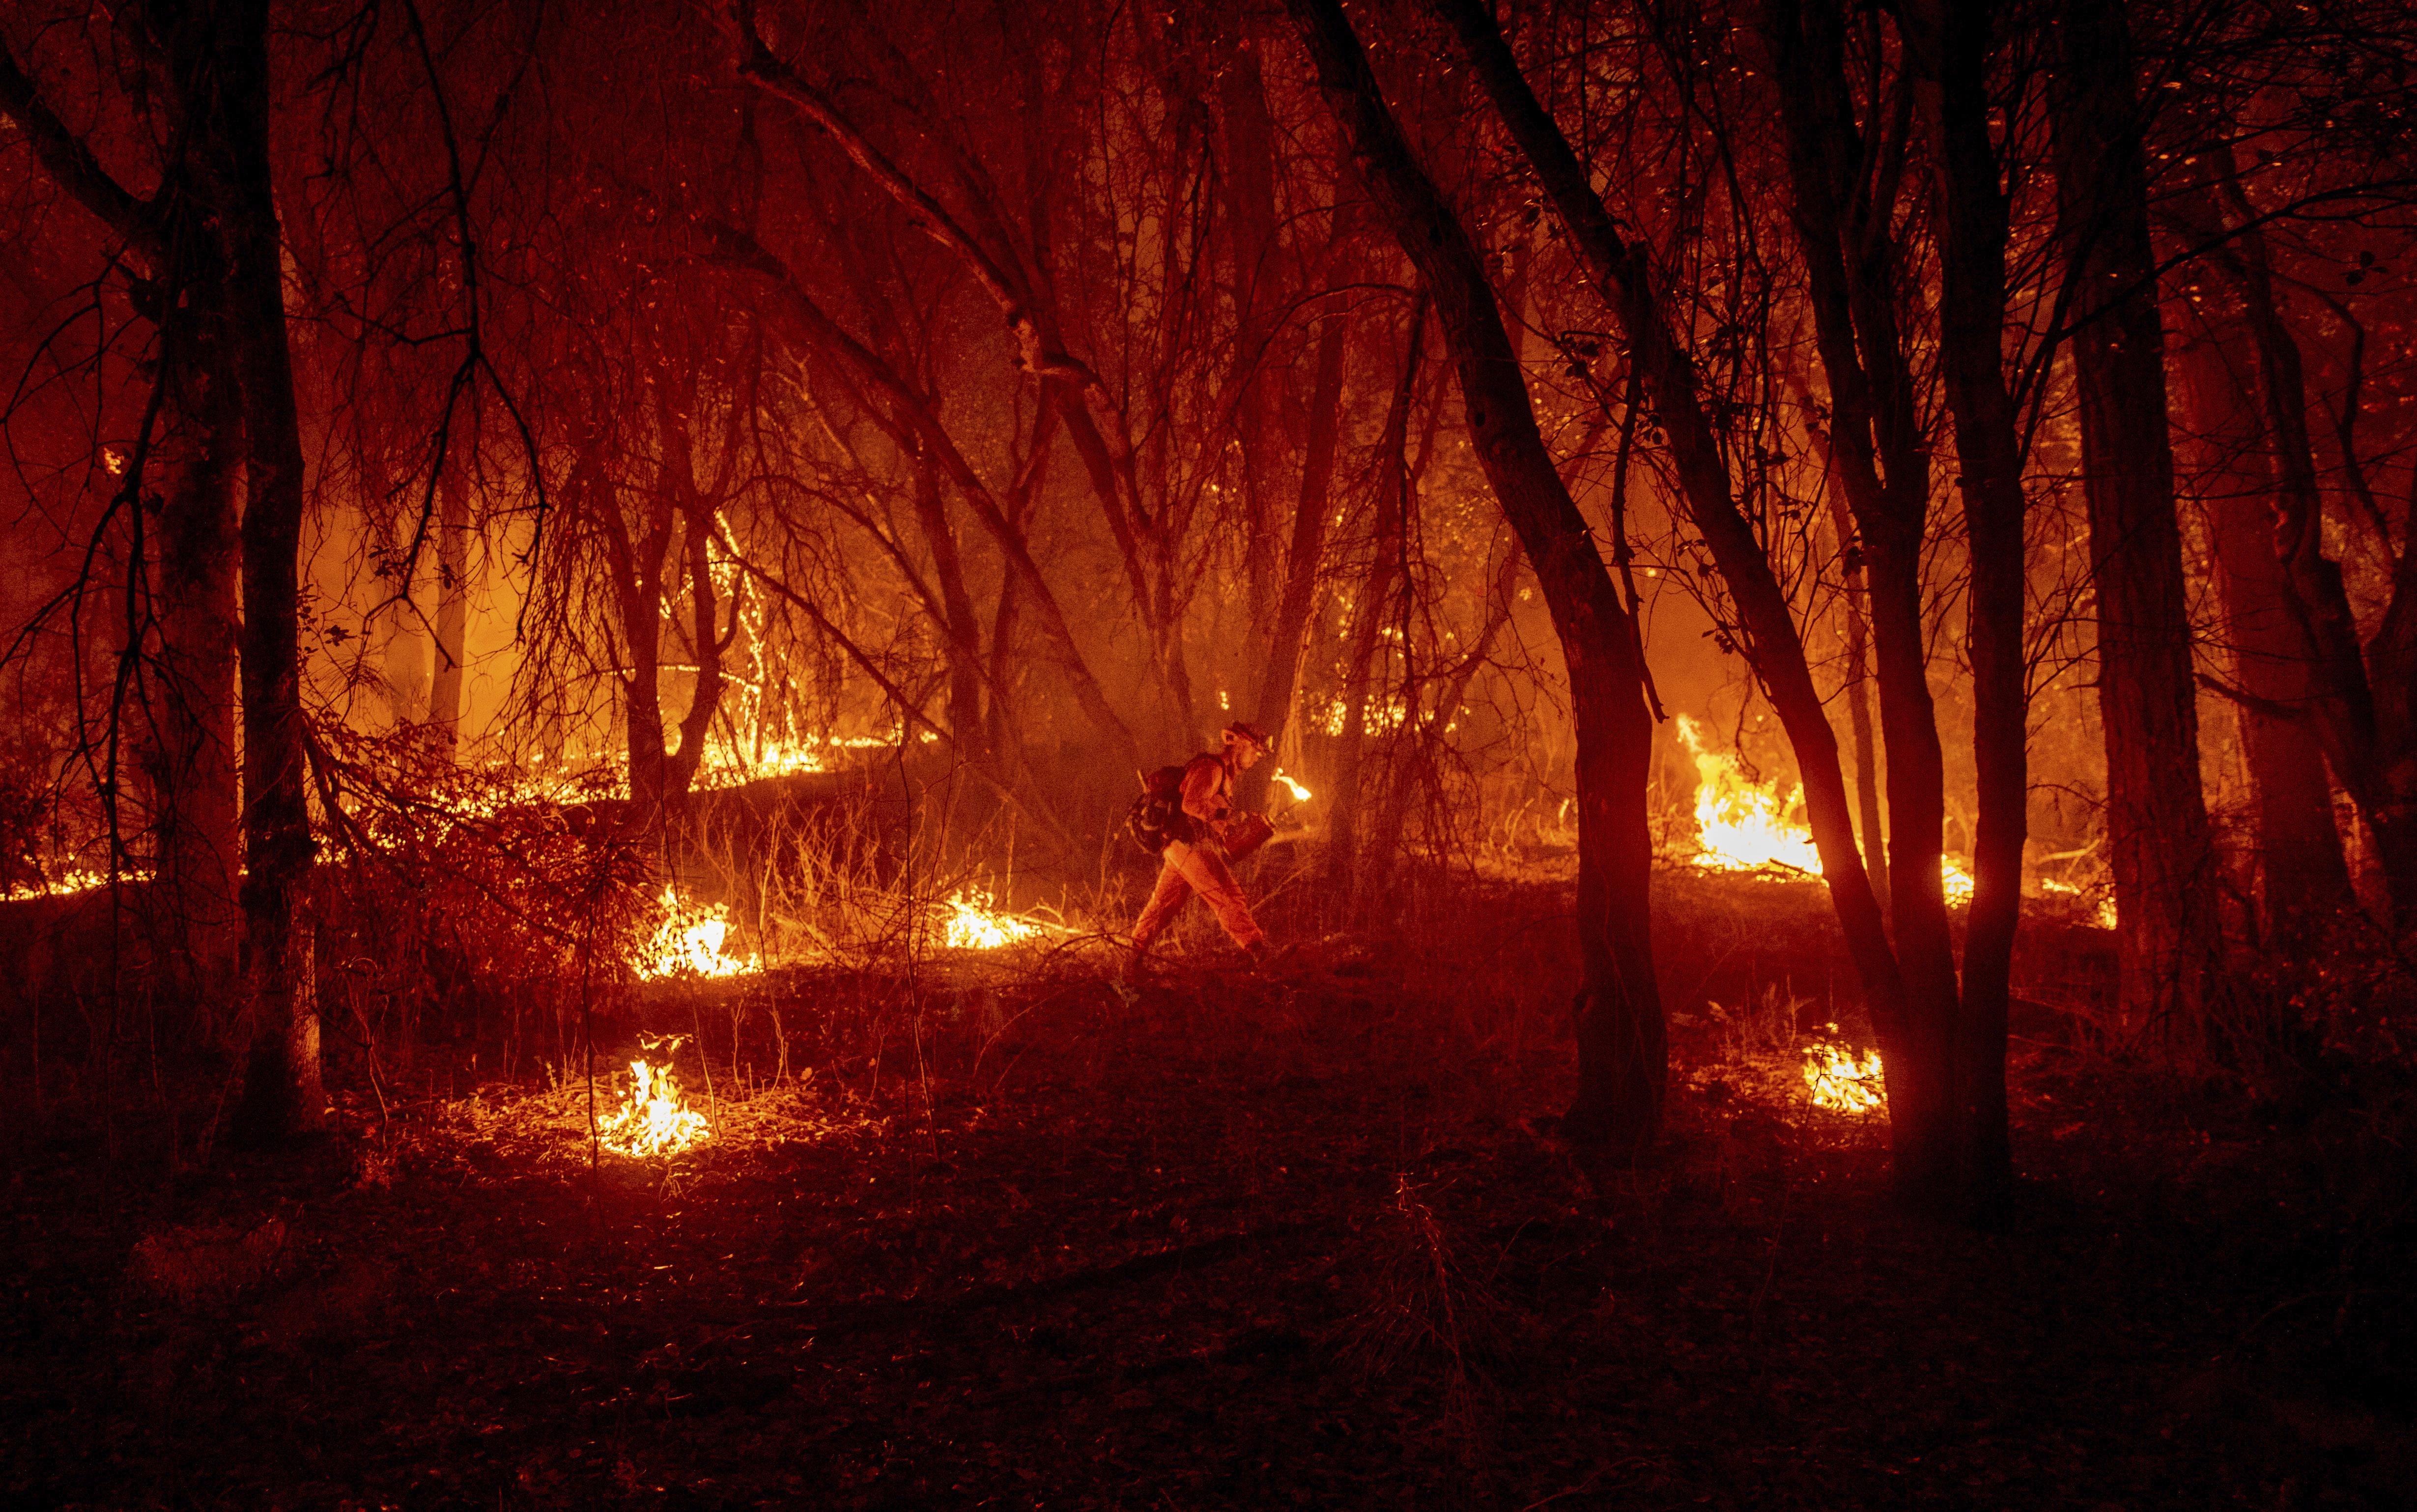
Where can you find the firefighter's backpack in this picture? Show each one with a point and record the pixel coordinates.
(1156, 817)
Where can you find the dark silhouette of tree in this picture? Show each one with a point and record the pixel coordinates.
(1622, 1058)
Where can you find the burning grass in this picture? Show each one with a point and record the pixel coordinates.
(654, 1120)
(972, 921)
(1754, 825)
(1842, 1080)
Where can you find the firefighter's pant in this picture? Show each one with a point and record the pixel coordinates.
(1200, 869)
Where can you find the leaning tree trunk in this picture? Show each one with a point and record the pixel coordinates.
(2166, 941)
(1765, 627)
(1622, 1047)
(282, 1095)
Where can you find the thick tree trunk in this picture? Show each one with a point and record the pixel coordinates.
(2167, 938)
(1249, 241)
(282, 1095)
(2375, 759)
(1844, 179)
(199, 579)
(2303, 878)
(1622, 1048)
(1951, 43)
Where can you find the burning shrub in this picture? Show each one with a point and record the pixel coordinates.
(453, 885)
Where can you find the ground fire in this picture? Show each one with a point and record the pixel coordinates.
(972, 922)
(1841, 1080)
(653, 1119)
(688, 941)
(796, 754)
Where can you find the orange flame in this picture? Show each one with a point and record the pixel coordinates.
(1842, 1081)
(973, 923)
(1748, 826)
(689, 942)
(1745, 825)
(655, 1120)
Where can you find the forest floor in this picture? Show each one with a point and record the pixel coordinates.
(1006, 1238)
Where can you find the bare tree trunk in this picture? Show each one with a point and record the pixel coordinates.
(1767, 630)
(1844, 184)
(1951, 43)
(1369, 615)
(1250, 244)
(1311, 511)
(1622, 1047)
(173, 236)
(283, 1096)
(200, 576)
(2298, 849)
(452, 607)
(2373, 757)
(2166, 939)
(1854, 606)
(962, 630)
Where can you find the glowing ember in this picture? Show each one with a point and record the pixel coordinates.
(1376, 718)
(974, 924)
(1841, 1081)
(2104, 918)
(1300, 794)
(67, 884)
(726, 767)
(655, 1120)
(690, 943)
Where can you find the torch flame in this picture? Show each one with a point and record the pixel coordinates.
(974, 924)
(655, 1120)
(1300, 794)
(1840, 1080)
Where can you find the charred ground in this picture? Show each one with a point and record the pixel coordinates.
(1305, 1238)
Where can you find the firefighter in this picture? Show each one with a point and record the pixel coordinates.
(1193, 859)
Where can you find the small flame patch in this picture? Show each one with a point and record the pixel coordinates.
(655, 1120)
(974, 924)
(689, 944)
(1842, 1081)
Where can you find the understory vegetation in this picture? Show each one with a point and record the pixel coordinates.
(976, 1229)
